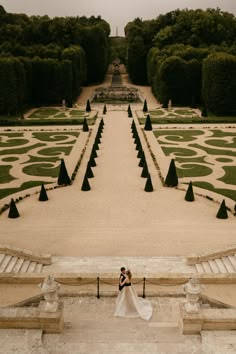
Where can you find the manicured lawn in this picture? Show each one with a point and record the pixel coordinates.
(37, 156)
(203, 153)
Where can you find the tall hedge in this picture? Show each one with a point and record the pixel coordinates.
(12, 81)
(219, 83)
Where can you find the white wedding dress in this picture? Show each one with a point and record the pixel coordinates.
(128, 304)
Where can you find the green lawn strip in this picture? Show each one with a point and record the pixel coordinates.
(200, 159)
(44, 112)
(190, 120)
(26, 185)
(229, 193)
(24, 150)
(221, 143)
(33, 159)
(12, 135)
(193, 170)
(55, 151)
(5, 175)
(185, 112)
(54, 136)
(41, 170)
(217, 133)
(211, 151)
(13, 142)
(158, 112)
(178, 151)
(10, 159)
(76, 112)
(178, 135)
(60, 115)
(223, 159)
(230, 175)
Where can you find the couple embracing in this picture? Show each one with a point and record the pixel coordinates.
(128, 304)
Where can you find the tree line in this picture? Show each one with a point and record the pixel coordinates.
(44, 60)
(187, 56)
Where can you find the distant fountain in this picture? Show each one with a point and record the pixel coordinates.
(117, 92)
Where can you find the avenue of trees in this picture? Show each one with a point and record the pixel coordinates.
(187, 56)
(43, 60)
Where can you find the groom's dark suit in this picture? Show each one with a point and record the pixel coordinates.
(122, 278)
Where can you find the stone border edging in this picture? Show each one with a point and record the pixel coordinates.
(45, 259)
(192, 259)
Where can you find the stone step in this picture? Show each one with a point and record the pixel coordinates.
(31, 267)
(25, 266)
(18, 265)
(233, 261)
(4, 263)
(228, 264)
(199, 268)
(213, 266)
(2, 256)
(38, 268)
(221, 265)
(206, 267)
(11, 265)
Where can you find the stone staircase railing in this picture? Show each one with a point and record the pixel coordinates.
(16, 260)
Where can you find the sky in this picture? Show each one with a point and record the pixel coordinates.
(116, 12)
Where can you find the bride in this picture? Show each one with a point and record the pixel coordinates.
(128, 304)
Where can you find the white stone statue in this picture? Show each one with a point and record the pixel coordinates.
(64, 105)
(193, 290)
(49, 288)
(169, 104)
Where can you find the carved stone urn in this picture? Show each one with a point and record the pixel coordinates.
(50, 288)
(193, 289)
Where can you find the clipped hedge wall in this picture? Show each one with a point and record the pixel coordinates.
(219, 83)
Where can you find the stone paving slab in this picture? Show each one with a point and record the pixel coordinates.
(143, 265)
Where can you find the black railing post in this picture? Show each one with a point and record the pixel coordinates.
(144, 283)
(98, 294)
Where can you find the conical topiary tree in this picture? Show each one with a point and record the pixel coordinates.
(89, 171)
(130, 114)
(128, 109)
(63, 177)
(92, 161)
(142, 160)
(145, 107)
(104, 109)
(171, 178)
(43, 194)
(88, 106)
(85, 125)
(189, 196)
(148, 123)
(148, 186)
(145, 172)
(13, 211)
(222, 212)
(140, 151)
(85, 185)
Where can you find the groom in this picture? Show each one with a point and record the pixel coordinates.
(122, 277)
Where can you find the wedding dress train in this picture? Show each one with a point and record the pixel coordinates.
(128, 304)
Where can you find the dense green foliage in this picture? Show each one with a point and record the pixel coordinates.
(168, 53)
(118, 49)
(46, 60)
(219, 83)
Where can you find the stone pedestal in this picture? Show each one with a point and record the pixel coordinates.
(190, 323)
(51, 322)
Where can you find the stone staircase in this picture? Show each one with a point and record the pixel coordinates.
(220, 261)
(226, 264)
(16, 260)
